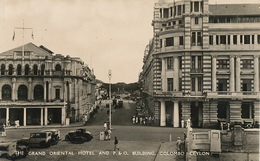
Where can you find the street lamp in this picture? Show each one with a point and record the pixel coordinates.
(110, 100)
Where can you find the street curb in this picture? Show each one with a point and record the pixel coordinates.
(42, 127)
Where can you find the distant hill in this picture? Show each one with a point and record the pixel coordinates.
(121, 87)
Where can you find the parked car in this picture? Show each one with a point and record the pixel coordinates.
(13, 150)
(39, 139)
(79, 136)
(55, 136)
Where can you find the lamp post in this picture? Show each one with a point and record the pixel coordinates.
(110, 100)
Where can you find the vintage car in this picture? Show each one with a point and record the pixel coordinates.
(13, 150)
(55, 136)
(39, 139)
(79, 136)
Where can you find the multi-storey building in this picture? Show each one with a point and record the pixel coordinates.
(38, 87)
(203, 63)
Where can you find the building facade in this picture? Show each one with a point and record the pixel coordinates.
(38, 87)
(203, 63)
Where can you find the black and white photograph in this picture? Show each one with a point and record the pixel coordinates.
(129, 80)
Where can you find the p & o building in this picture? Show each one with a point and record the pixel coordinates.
(203, 63)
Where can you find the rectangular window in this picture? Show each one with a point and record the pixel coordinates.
(199, 83)
(246, 111)
(183, 10)
(170, 84)
(241, 39)
(253, 39)
(192, 84)
(160, 43)
(258, 39)
(228, 40)
(235, 39)
(222, 85)
(247, 64)
(246, 85)
(191, 6)
(193, 38)
(166, 13)
(210, 39)
(181, 40)
(170, 11)
(57, 93)
(223, 64)
(199, 62)
(217, 39)
(223, 39)
(193, 60)
(246, 39)
(196, 20)
(169, 63)
(169, 41)
(180, 62)
(199, 38)
(196, 6)
(179, 9)
(180, 84)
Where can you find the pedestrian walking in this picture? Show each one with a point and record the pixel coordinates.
(115, 144)
(3, 130)
(105, 126)
(178, 144)
(109, 134)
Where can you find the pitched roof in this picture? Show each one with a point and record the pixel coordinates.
(38, 51)
(234, 9)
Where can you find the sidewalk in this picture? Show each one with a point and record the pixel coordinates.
(76, 124)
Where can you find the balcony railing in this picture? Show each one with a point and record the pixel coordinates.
(249, 93)
(197, 70)
(224, 93)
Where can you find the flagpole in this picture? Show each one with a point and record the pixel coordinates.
(22, 28)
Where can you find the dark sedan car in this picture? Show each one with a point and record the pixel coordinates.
(79, 136)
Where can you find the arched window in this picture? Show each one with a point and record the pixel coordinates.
(42, 69)
(38, 92)
(26, 70)
(19, 69)
(22, 93)
(6, 93)
(10, 69)
(2, 69)
(35, 69)
(58, 67)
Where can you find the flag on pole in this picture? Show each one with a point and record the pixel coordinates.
(14, 35)
(32, 35)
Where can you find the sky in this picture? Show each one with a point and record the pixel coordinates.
(105, 34)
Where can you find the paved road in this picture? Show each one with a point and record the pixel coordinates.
(136, 142)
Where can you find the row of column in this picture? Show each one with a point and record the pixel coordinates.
(30, 91)
(44, 116)
(209, 112)
(175, 114)
(239, 39)
(235, 77)
(172, 12)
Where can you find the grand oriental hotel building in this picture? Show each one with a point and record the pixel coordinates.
(39, 87)
(202, 63)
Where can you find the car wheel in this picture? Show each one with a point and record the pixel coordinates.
(67, 138)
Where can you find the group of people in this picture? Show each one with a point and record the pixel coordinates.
(143, 120)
